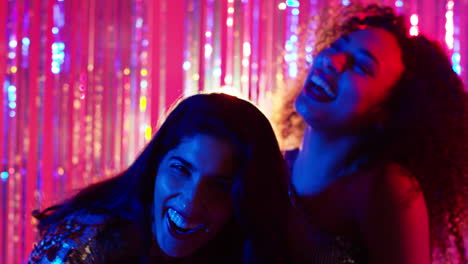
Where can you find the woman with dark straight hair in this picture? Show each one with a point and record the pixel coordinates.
(210, 187)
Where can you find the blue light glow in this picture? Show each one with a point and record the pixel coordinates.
(55, 70)
(13, 43)
(12, 96)
(217, 72)
(292, 3)
(398, 3)
(457, 69)
(456, 58)
(4, 175)
(292, 70)
(186, 65)
(58, 56)
(26, 41)
(57, 260)
(345, 2)
(11, 88)
(295, 11)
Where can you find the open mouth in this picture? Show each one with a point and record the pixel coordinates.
(323, 86)
(182, 225)
(319, 89)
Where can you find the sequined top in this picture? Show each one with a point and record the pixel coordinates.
(71, 240)
(88, 238)
(313, 247)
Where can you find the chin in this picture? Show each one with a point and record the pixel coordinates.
(300, 106)
(304, 111)
(176, 252)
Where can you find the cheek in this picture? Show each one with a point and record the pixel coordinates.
(361, 95)
(221, 211)
(158, 196)
(167, 183)
(165, 187)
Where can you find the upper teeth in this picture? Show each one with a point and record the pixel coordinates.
(181, 221)
(320, 82)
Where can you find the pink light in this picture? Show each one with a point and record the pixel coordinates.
(450, 4)
(414, 30)
(246, 49)
(449, 27)
(208, 50)
(414, 20)
(229, 22)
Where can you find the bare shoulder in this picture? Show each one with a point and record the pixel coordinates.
(394, 219)
(397, 173)
(397, 186)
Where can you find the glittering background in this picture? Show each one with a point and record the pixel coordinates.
(86, 82)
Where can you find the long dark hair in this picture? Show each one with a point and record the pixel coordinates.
(423, 126)
(259, 192)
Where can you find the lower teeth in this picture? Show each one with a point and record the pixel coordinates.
(321, 90)
(180, 229)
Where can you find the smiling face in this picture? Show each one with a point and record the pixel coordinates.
(192, 194)
(349, 79)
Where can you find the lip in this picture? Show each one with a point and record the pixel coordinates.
(174, 233)
(310, 89)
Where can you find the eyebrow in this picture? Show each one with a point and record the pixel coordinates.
(362, 51)
(191, 167)
(183, 161)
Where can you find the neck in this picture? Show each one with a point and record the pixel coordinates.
(317, 142)
(324, 156)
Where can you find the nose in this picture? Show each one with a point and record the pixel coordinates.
(336, 62)
(192, 198)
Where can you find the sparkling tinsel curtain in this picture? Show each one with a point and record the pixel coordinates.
(85, 82)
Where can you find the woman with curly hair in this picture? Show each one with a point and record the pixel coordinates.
(381, 175)
(198, 193)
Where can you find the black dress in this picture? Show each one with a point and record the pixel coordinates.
(314, 247)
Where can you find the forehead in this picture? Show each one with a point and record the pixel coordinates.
(202, 143)
(206, 153)
(380, 43)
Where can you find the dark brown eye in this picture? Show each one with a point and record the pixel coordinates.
(362, 68)
(180, 169)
